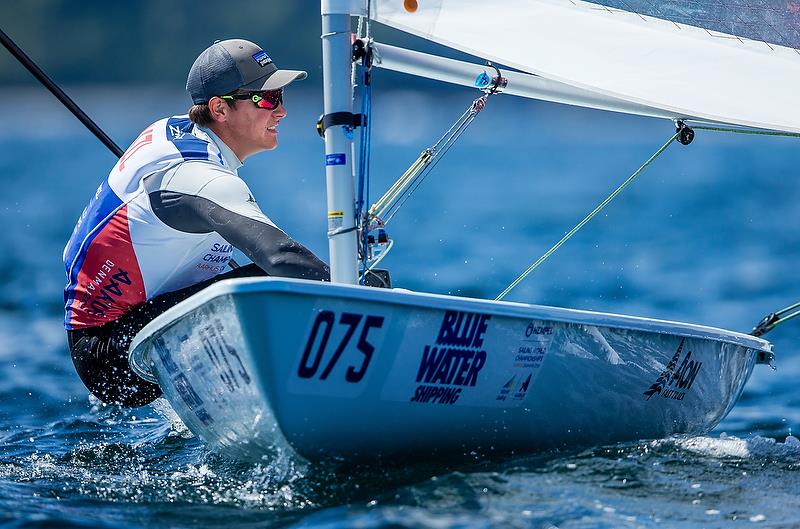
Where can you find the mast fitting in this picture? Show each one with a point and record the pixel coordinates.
(348, 119)
(685, 132)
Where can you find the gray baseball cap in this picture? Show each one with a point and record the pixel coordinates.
(235, 64)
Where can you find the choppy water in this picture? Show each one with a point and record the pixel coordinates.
(708, 235)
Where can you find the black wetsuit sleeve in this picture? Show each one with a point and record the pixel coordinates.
(268, 247)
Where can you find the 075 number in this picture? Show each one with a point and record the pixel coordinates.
(315, 349)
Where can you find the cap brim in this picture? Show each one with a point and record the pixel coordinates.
(278, 79)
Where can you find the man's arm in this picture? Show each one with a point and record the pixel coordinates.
(225, 205)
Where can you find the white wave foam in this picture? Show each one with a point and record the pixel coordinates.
(731, 446)
(164, 409)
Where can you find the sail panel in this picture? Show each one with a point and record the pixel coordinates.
(770, 21)
(684, 70)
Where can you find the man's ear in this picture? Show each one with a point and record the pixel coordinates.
(219, 109)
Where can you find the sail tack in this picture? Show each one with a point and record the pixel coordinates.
(664, 63)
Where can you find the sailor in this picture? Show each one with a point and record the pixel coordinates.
(163, 224)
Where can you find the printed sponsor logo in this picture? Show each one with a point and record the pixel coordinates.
(176, 133)
(676, 379)
(529, 356)
(103, 290)
(223, 356)
(262, 58)
(214, 269)
(523, 388)
(454, 361)
(181, 383)
(506, 389)
(219, 253)
(538, 330)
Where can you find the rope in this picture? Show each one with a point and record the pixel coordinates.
(364, 165)
(747, 131)
(397, 188)
(404, 187)
(588, 217)
(437, 157)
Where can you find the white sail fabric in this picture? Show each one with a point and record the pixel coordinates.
(773, 21)
(685, 70)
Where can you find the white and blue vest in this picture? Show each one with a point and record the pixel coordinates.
(120, 254)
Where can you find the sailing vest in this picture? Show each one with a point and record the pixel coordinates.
(120, 253)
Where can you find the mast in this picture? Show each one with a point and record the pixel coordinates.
(338, 119)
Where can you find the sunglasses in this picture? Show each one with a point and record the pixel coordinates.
(268, 99)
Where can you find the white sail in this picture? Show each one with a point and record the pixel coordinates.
(685, 70)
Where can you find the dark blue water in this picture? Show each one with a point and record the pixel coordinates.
(709, 234)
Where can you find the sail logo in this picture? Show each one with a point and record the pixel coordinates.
(676, 380)
(454, 361)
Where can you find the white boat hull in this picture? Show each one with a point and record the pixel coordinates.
(254, 366)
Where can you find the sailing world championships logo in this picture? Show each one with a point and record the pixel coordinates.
(454, 361)
(675, 383)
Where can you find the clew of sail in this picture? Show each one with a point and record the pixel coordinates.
(688, 63)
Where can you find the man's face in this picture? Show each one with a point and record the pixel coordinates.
(253, 129)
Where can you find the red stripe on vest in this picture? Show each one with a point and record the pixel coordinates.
(110, 281)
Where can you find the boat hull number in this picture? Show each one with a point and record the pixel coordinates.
(321, 354)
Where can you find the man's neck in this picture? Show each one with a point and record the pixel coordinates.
(232, 158)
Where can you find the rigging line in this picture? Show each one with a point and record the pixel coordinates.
(787, 309)
(380, 206)
(364, 152)
(417, 179)
(65, 100)
(439, 154)
(388, 200)
(459, 123)
(786, 318)
(362, 218)
(588, 217)
(747, 131)
(414, 185)
(773, 319)
(436, 152)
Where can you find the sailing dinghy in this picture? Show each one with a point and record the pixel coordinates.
(255, 367)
